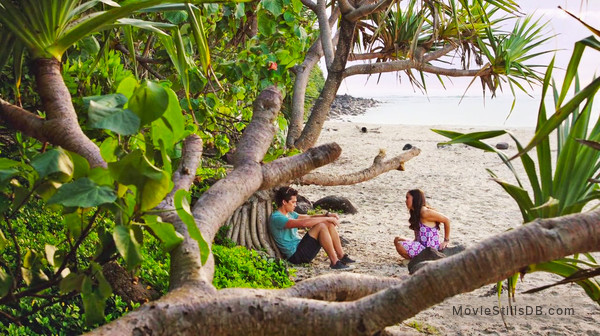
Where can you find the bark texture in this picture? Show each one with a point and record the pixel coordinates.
(61, 126)
(308, 309)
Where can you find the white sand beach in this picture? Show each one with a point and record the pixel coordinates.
(457, 184)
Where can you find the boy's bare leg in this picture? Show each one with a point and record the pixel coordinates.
(335, 238)
(321, 233)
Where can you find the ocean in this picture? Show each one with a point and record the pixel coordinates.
(451, 111)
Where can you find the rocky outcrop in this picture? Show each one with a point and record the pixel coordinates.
(345, 105)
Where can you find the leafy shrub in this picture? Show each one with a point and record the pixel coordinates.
(240, 267)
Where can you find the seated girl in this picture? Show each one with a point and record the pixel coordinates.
(425, 222)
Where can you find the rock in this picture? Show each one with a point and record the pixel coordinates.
(336, 203)
(426, 256)
(345, 105)
(502, 145)
(452, 250)
(303, 205)
(363, 129)
(407, 147)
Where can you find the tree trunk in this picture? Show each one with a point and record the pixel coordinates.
(335, 75)
(61, 126)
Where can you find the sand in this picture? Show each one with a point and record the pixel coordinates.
(456, 183)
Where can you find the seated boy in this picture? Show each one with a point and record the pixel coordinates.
(284, 224)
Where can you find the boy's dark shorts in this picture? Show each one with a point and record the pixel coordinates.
(307, 250)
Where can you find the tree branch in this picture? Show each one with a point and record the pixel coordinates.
(287, 168)
(345, 6)
(377, 168)
(22, 120)
(325, 32)
(258, 135)
(412, 64)
(61, 127)
(311, 5)
(328, 287)
(364, 10)
(143, 61)
(367, 56)
(302, 73)
(259, 314)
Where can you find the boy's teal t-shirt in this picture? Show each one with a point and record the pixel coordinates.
(286, 239)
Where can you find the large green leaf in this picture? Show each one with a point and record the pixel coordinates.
(128, 246)
(182, 206)
(169, 238)
(54, 161)
(32, 268)
(81, 166)
(149, 102)
(6, 282)
(3, 241)
(152, 183)
(118, 120)
(72, 282)
(273, 6)
(83, 193)
(170, 128)
(127, 86)
(8, 169)
(94, 292)
(109, 100)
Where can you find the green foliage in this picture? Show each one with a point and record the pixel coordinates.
(240, 267)
(571, 183)
(316, 82)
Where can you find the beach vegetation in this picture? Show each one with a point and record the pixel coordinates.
(560, 185)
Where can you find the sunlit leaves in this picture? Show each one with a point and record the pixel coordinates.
(83, 193)
(165, 232)
(118, 120)
(149, 101)
(182, 206)
(6, 282)
(54, 161)
(152, 183)
(127, 245)
(94, 292)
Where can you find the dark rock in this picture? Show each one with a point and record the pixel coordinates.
(345, 105)
(426, 256)
(407, 147)
(336, 203)
(502, 145)
(452, 250)
(303, 205)
(363, 129)
(128, 287)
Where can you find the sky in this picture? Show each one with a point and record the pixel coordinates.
(566, 29)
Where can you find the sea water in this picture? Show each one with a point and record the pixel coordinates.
(455, 111)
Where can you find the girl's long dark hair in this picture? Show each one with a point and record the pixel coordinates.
(418, 202)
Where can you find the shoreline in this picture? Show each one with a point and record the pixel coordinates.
(453, 111)
(456, 184)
